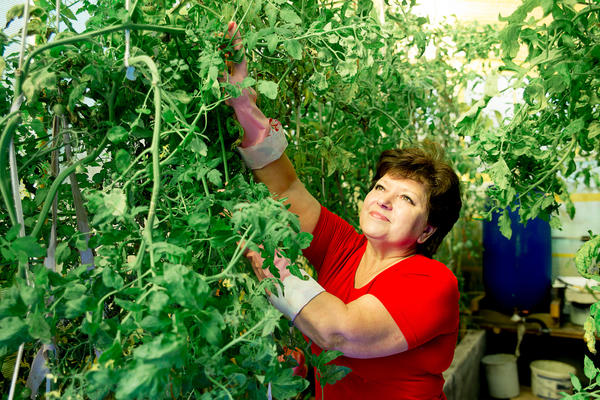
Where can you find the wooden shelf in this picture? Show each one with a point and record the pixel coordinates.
(496, 321)
(525, 394)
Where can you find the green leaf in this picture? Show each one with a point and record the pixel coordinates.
(144, 111)
(212, 326)
(199, 147)
(214, 176)
(285, 385)
(39, 80)
(122, 160)
(328, 356)
(586, 257)
(30, 295)
(589, 369)
(504, 223)
(199, 221)
(271, 12)
(114, 352)
(28, 246)
(13, 13)
(547, 6)
(166, 248)
(575, 126)
(75, 95)
(169, 116)
(268, 88)
(38, 327)
(2, 65)
(154, 324)
(500, 174)
(116, 202)
(272, 42)
(158, 301)
(248, 82)
(111, 278)
(521, 12)
(593, 130)
(117, 134)
(491, 85)
(304, 239)
(332, 373)
(81, 243)
(347, 68)
(78, 305)
(575, 382)
(534, 95)
(181, 96)
(288, 15)
(510, 40)
(294, 49)
(319, 82)
(62, 252)
(128, 305)
(13, 331)
(184, 286)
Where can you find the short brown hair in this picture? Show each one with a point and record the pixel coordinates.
(427, 166)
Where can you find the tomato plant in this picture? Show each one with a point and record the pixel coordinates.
(125, 201)
(532, 153)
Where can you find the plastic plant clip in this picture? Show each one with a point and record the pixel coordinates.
(130, 74)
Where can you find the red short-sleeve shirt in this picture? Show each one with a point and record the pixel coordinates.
(421, 295)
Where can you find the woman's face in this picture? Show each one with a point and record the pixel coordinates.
(395, 213)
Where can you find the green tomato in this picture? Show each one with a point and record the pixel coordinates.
(58, 109)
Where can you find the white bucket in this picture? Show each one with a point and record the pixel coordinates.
(501, 374)
(549, 378)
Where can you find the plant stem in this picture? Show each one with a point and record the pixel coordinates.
(5, 144)
(234, 259)
(223, 154)
(129, 167)
(15, 182)
(242, 337)
(219, 384)
(180, 146)
(22, 72)
(58, 181)
(554, 168)
(154, 148)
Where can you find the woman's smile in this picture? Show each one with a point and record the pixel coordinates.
(379, 216)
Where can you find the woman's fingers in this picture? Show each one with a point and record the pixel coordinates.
(239, 71)
(232, 31)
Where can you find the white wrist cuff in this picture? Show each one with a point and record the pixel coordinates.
(265, 152)
(297, 294)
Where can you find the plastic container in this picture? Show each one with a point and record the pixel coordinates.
(549, 378)
(501, 374)
(517, 272)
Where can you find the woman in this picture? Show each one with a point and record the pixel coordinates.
(379, 299)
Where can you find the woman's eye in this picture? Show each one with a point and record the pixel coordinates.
(406, 198)
(379, 187)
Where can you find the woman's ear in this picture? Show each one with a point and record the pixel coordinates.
(429, 230)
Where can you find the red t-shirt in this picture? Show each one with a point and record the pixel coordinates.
(421, 295)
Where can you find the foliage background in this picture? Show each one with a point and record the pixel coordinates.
(167, 307)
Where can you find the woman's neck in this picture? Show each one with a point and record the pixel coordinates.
(378, 258)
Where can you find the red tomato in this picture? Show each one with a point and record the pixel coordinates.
(297, 354)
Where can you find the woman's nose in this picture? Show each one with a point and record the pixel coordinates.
(384, 203)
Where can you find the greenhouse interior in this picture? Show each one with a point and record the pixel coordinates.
(300, 199)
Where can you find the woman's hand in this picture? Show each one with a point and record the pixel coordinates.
(256, 125)
(237, 72)
(261, 273)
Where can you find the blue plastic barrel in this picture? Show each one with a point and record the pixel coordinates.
(517, 272)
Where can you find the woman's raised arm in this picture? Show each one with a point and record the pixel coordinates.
(263, 148)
